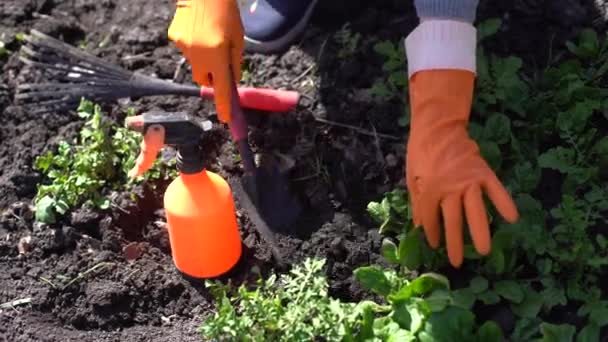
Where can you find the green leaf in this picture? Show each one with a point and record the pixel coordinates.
(490, 332)
(45, 210)
(471, 253)
(403, 295)
(379, 211)
(401, 315)
(489, 297)
(506, 68)
(410, 250)
(478, 284)
(374, 279)
(601, 147)
(488, 28)
(491, 153)
(464, 297)
(525, 329)
(452, 324)
(526, 177)
(385, 48)
(557, 333)
(496, 261)
(401, 335)
(558, 158)
(509, 290)
(428, 282)
(389, 250)
(599, 315)
(588, 43)
(553, 296)
(590, 333)
(497, 129)
(417, 318)
(575, 119)
(530, 306)
(438, 300)
(104, 204)
(476, 131)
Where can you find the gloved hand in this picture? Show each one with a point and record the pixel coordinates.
(210, 35)
(445, 171)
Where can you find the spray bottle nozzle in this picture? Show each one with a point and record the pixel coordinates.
(168, 128)
(180, 128)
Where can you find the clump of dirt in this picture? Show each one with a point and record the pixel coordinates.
(108, 275)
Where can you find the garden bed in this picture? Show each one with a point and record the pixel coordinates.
(78, 279)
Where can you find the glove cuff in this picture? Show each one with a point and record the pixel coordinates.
(441, 44)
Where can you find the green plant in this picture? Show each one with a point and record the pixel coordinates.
(423, 309)
(347, 41)
(297, 307)
(526, 125)
(4, 52)
(395, 85)
(79, 173)
(294, 307)
(395, 219)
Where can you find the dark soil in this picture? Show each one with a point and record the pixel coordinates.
(338, 170)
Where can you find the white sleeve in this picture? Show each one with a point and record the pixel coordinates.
(441, 44)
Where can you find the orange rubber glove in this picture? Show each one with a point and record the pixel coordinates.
(210, 35)
(445, 171)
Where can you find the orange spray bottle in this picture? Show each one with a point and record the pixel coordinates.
(201, 219)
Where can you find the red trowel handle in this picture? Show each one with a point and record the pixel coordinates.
(270, 100)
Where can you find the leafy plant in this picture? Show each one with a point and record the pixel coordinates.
(297, 307)
(423, 309)
(347, 40)
(395, 85)
(294, 307)
(80, 172)
(533, 130)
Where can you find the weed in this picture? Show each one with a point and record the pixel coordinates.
(98, 160)
(347, 41)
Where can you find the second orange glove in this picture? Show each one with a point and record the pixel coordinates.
(446, 175)
(210, 35)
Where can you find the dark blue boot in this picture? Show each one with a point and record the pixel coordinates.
(272, 25)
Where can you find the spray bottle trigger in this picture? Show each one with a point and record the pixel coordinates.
(153, 142)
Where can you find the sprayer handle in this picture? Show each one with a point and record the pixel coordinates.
(271, 100)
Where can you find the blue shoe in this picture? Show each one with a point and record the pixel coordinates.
(272, 25)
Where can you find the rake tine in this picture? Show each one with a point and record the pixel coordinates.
(38, 96)
(49, 107)
(123, 86)
(42, 87)
(63, 70)
(54, 57)
(76, 77)
(65, 49)
(61, 66)
(93, 94)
